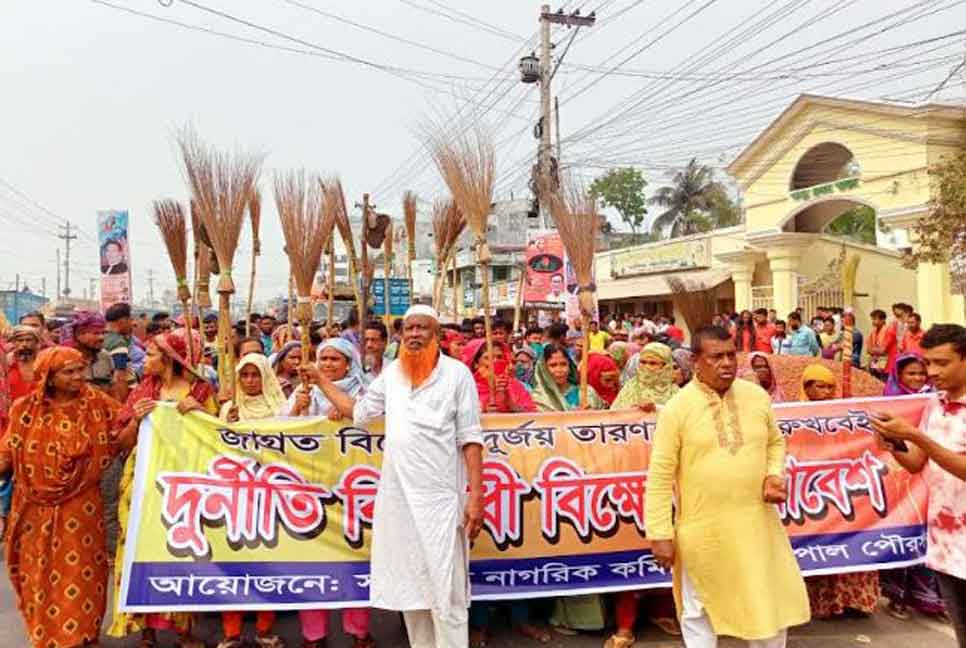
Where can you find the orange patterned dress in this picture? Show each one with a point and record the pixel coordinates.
(56, 550)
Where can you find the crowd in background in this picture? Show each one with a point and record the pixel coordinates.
(105, 372)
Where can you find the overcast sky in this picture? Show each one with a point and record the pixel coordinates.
(92, 95)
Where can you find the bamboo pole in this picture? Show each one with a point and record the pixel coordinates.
(330, 316)
(291, 305)
(483, 254)
(363, 288)
(386, 253)
(518, 306)
(584, 359)
(456, 308)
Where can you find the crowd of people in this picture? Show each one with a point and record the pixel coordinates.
(72, 399)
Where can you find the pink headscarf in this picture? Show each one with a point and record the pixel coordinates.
(516, 392)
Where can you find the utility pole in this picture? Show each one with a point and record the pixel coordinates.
(93, 293)
(57, 298)
(66, 237)
(151, 287)
(545, 152)
(43, 287)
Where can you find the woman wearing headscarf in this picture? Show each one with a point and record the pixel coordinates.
(604, 376)
(452, 343)
(619, 352)
(836, 594)
(557, 386)
(511, 395)
(558, 390)
(258, 395)
(286, 364)
(525, 365)
(336, 372)
(167, 377)
(60, 439)
(653, 381)
(761, 371)
(683, 366)
(910, 587)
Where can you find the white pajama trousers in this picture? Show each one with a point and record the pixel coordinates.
(696, 626)
(426, 630)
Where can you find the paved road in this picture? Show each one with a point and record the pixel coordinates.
(881, 631)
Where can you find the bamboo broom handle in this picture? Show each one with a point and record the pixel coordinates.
(456, 308)
(330, 316)
(387, 316)
(584, 360)
(486, 325)
(519, 301)
(188, 316)
(226, 352)
(251, 290)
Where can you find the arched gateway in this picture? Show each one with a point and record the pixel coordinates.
(820, 158)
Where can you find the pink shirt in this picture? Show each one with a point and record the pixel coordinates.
(945, 423)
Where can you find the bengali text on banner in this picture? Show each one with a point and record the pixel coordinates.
(277, 514)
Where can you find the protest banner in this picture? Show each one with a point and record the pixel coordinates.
(276, 514)
(115, 259)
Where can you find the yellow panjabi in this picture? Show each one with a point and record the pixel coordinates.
(730, 540)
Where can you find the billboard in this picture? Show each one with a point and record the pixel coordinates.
(115, 257)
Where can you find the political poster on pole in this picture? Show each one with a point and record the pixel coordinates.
(115, 256)
(546, 283)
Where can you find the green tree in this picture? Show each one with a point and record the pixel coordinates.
(623, 189)
(857, 223)
(693, 202)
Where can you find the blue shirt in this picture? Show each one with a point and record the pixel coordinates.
(803, 342)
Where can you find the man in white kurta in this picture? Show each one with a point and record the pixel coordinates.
(425, 514)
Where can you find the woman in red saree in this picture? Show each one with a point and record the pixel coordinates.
(510, 394)
(166, 378)
(58, 444)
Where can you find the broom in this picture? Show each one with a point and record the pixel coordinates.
(448, 225)
(409, 216)
(222, 186)
(335, 203)
(170, 219)
(466, 162)
(255, 216)
(307, 229)
(577, 219)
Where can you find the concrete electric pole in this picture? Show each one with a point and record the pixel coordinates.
(67, 237)
(547, 71)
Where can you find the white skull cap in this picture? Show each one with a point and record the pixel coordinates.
(421, 309)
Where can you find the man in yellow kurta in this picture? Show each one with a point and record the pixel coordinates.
(717, 441)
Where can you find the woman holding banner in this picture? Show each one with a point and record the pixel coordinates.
(511, 396)
(653, 384)
(167, 377)
(558, 390)
(258, 395)
(837, 594)
(58, 444)
(336, 375)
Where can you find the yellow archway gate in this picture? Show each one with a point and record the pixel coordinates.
(823, 155)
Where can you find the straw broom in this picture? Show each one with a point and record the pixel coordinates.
(409, 216)
(466, 163)
(307, 229)
(335, 203)
(170, 219)
(448, 225)
(577, 219)
(255, 216)
(222, 186)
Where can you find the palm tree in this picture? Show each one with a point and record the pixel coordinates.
(691, 203)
